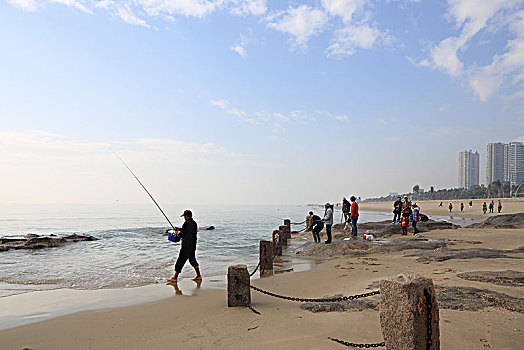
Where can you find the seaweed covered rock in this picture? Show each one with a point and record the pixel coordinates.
(32, 241)
(502, 221)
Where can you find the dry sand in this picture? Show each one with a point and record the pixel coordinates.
(509, 206)
(203, 321)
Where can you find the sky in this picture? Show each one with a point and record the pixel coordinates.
(252, 101)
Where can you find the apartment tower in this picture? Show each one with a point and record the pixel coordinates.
(495, 163)
(469, 169)
(514, 163)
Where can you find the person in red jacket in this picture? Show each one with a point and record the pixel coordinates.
(354, 216)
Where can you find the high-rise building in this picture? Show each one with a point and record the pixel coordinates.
(495, 163)
(468, 169)
(514, 163)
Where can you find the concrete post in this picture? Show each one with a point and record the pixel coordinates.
(284, 233)
(277, 243)
(238, 291)
(266, 256)
(287, 223)
(409, 305)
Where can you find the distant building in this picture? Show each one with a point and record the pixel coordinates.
(514, 163)
(495, 162)
(469, 169)
(393, 194)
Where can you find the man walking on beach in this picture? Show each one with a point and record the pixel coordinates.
(500, 206)
(354, 216)
(188, 235)
(328, 220)
(397, 209)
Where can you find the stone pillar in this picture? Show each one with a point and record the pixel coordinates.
(409, 305)
(284, 234)
(238, 292)
(277, 243)
(287, 223)
(266, 256)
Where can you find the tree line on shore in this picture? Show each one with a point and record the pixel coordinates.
(496, 189)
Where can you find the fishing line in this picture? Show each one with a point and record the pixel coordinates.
(145, 189)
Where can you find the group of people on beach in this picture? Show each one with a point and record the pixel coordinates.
(315, 224)
(403, 212)
(484, 206)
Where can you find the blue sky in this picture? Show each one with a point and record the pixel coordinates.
(252, 101)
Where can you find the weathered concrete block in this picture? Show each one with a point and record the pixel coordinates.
(238, 291)
(408, 306)
(266, 256)
(287, 223)
(277, 244)
(284, 235)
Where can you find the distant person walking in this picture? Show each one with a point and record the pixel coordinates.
(415, 217)
(500, 206)
(354, 216)
(491, 206)
(316, 225)
(450, 207)
(188, 235)
(346, 208)
(484, 207)
(397, 210)
(328, 220)
(470, 205)
(440, 205)
(461, 207)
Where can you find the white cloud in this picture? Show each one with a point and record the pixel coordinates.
(472, 17)
(220, 103)
(350, 38)
(301, 22)
(26, 5)
(343, 8)
(342, 118)
(72, 3)
(126, 14)
(247, 7)
(239, 49)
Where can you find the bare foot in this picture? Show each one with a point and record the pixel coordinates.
(171, 279)
(197, 278)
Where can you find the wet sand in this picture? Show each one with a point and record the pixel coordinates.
(509, 206)
(203, 321)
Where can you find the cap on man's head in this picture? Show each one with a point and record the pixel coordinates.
(187, 213)
(327, 204)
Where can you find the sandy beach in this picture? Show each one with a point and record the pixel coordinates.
(509, 206)
(203, 320)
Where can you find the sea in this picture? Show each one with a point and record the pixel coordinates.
(131, 250)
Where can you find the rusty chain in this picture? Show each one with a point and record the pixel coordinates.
(309, 300)
(258, 265)
(356, 345)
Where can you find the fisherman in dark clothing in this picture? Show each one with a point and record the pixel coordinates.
(316, 226)
(188, 236)
(397, 210)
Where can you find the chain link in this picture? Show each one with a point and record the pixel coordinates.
(317, 300)
(357, 345)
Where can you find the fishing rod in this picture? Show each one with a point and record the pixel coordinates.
(145, 189)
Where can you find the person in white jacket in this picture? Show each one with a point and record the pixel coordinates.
(328, 220)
